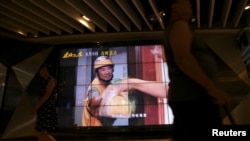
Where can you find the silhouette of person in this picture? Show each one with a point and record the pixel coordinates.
(46, 108)
(193, 95)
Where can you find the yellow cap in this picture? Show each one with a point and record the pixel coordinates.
(102, 61)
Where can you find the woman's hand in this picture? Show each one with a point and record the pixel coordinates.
(220, 97)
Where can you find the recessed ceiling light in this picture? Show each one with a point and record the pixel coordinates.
(247, 7)
(21, 33)
(85, 18)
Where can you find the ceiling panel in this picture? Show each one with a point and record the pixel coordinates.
(55, 18)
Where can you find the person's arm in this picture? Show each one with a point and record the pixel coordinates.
(49, 88)
(180, 40)
(153, 88)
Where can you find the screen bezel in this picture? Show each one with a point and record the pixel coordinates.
(158, 130)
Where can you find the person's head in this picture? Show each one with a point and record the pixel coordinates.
(46, 71)
(104, 68)
(179, 9)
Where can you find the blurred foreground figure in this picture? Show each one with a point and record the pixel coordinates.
(193, 95)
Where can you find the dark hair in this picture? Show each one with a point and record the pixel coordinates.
(50, 69)
(165, 6)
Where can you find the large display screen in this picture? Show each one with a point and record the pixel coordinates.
(123, 85)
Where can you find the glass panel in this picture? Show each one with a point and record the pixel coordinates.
(3, 71)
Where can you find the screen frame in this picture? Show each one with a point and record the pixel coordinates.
(144, 131)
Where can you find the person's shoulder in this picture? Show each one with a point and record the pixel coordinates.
(52, 80)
